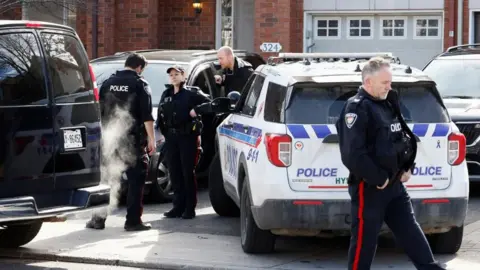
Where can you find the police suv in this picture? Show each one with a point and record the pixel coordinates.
(278, 162)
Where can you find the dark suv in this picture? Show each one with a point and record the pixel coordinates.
(49, 129)
(456, 72)
(201, 66)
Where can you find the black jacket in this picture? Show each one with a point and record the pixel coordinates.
(234, 80)
(174, 109)
(375, 142)
(127, 96)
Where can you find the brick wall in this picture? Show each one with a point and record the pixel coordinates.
(279, 21)
(450, 23)
(180, 28)
(14, 13)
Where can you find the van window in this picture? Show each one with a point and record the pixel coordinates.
(275, 103)
(311, 104)
(21, 73)
(68, 68)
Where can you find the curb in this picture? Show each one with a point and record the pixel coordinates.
(34, 255)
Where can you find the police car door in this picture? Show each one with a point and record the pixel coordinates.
(240, 132)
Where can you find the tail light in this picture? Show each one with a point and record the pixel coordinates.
(279, 149)
(94, 80)
(457, 148)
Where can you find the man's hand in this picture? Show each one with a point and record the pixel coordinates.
(193, 113)
(218, 79)
(406, 176)
(151, 146)
(384, 185)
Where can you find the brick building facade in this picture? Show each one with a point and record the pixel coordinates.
(141, 24)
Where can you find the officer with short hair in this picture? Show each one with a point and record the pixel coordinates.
(379, 150)
(235, 71)
(127, 95)
(178, 119)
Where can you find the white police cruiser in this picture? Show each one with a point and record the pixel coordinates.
(278, 162)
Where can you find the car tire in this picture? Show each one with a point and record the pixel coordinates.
(222, 204)
(13, 236)
(161, 187)
(447, 243)
(254, 240)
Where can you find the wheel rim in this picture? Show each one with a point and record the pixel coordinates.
(163, 179)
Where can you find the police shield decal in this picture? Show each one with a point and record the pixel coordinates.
(350, 119)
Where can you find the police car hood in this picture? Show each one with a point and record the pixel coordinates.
(463, 109)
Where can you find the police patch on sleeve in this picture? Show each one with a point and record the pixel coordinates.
(147, 89)
(350, 119)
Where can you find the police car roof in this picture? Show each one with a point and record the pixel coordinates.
(339, 71)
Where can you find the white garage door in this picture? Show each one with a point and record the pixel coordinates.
(413, 38)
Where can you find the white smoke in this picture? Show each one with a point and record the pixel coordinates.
(117, 154)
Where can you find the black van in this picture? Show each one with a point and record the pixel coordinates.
(49, 129)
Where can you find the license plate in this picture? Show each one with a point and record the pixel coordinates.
(72, 139)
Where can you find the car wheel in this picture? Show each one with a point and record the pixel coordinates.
(13, 236)
(221, 202)
(254, 239)
(447, 243)
(161, 189)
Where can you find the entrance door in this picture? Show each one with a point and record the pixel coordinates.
(476, 27)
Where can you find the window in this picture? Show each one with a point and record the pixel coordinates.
(328, 28)
(418, 104)
(275, 103)
(21, 74)
(251, 103)
(427, 27)
(455, 77)
(360, 28)
(68, 68)
(393, 28)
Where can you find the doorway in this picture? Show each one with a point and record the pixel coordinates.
(476, 27)
(236, 24)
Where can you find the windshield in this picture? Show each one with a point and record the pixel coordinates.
(417, 103)
(456, 78)
(155, 74)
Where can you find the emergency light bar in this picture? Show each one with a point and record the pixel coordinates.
(335, 55)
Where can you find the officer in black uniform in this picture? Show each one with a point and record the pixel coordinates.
(235, 71)
(178, 119)
(379, 150)
(126, 95)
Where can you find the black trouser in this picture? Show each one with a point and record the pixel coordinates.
(182, 152)
(136, 176)
(370, 208)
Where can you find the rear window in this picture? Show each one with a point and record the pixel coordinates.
(155, 74)
(68, 68)
(21, 74)
(315, 104)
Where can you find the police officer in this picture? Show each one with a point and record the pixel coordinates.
(178, 120)
(235, 71)
(127, 96)
(379, 150)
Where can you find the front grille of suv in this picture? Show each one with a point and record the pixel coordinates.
(470, 130)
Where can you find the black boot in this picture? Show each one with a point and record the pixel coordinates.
(189, 214)
(96, 223)
(137, 227)
(174, 213)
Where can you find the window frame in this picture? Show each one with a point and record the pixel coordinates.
(439, 27)
(339, 27)
(393, 18)
(360, 19)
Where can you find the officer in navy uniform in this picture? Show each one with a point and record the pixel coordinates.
(126, 95)
(379, 150)
(179, 121)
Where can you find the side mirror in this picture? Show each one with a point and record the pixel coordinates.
(221, 105)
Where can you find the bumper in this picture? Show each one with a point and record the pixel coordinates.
(73, 203)
(334, 215)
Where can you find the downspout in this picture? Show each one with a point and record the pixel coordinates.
(459, 22)
(95, 29)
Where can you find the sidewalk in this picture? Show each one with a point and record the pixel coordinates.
(164, 249)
